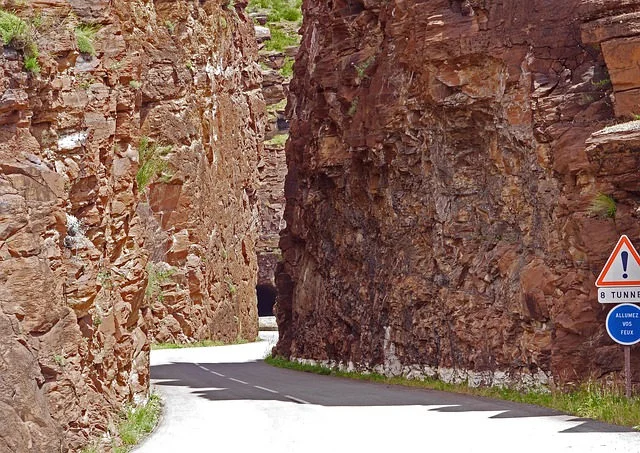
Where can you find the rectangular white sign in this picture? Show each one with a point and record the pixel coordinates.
(619, 294)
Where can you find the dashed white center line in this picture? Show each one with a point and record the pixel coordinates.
(238, 381)
(265, 389)
(296, 400)
(207, 369)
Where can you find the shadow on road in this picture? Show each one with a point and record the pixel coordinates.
(259, 381)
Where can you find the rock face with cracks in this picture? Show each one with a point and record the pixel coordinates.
(127, 206)
(443, 166)
(201, 212)
(272, 166)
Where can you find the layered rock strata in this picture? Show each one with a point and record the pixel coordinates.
(443, 166)
(137, 151)
(272, 169)
(201, 214)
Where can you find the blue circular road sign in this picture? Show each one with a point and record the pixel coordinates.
(623, 324)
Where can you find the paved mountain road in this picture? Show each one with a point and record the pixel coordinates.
(225, 399)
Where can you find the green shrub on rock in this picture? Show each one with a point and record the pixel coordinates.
(152, 163)
(31, 64)
(603, 205)
(85, 35)
(12, 29)
(16, 33)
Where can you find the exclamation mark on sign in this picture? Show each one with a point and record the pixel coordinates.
(625, 258)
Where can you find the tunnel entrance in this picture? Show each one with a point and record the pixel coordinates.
(266, 299)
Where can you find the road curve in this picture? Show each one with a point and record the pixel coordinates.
(225, 399)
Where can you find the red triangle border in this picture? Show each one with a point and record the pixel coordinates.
(624, 240)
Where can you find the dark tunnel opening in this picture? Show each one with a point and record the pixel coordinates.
(266, 299)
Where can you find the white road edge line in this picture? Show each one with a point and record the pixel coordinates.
(297, 400)
(265, 389)
(238, 381)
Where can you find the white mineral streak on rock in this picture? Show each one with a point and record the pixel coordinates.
(538, 381)
(72, 141)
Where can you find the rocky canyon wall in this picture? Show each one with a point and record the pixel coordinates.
(127, 205)
(272, 166)
(445, 167)
(201, 215)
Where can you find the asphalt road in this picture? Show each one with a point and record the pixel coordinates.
(225, 399)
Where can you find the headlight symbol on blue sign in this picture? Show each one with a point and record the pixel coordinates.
(623, 324)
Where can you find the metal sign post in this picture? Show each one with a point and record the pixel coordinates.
(618, 282)
(627, 370)
(623, 326)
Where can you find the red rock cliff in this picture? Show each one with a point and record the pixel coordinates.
(202, 96)
(442, 173)
(144, 151)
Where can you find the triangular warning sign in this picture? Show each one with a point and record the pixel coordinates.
(622, 267)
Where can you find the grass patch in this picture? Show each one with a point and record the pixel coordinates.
(85, 34)
(601, 83)
(278, 10)
(31, 64)
(133, 425)
(591, 400)
(37, 21)
(13, 30)
(195, 344)
(156, 277)
(16, 33)
(353, 108)
(278, 140)
(90, 449)
(603, 205)
(280, 39)
(287, 68)
(171, 26)
(137, 422)
(283, 19)
(362, 67)
(272, 108)
(152, 164)
(198, 344)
